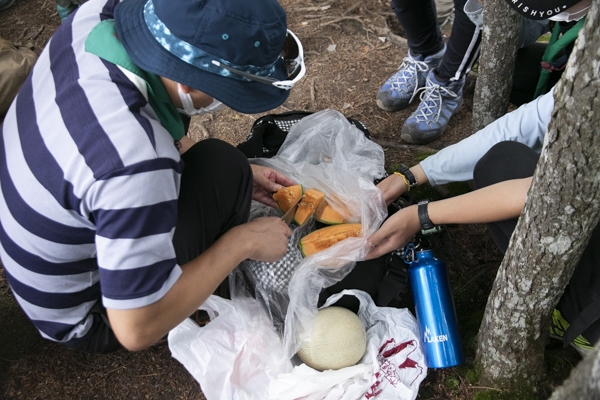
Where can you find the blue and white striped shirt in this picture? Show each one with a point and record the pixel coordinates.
(89, 181)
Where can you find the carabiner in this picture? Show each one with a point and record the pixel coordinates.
(409, 250)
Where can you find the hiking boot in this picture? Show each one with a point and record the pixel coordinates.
(400, 89)
(559, 326)
(439, 101)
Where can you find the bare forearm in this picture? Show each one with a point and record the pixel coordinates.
(263, 239)
(394, 186)
(141, 327)
(497, 202)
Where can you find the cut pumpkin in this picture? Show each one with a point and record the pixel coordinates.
(307, 206)
(324, 238)
(327, 214)
(286, 197)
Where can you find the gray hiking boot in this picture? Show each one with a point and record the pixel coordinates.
(439, 101)
(399, 90)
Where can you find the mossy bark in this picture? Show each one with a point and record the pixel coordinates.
(562, 209)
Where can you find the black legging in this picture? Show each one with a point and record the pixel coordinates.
(580, 302)
(419, 22)
(215, 195)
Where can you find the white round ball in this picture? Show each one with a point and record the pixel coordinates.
(338, 340)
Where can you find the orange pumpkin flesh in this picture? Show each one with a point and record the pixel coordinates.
(324, 238)
(307, 206)
(287, 196)
(327, 214)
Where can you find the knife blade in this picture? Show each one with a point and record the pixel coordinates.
(288, 217)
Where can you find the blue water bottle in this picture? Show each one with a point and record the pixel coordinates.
(435, 310)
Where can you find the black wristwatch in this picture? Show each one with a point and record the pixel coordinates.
(404, 170)
(427, 227)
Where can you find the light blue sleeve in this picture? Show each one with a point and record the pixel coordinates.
(527, 125)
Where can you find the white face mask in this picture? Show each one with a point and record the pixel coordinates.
(570, 16)
(188, 104)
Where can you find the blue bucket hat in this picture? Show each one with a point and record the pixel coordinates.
(180, 39)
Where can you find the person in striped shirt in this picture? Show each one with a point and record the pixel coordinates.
(114, 225)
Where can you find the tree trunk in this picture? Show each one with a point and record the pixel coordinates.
(562, 209)
(584, 382)
(496, 63)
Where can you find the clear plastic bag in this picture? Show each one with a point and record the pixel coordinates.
(326, 152)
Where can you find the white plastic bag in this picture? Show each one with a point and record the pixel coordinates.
(392, 368)
(238, 355)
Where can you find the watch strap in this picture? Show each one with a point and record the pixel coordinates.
(410, 177)
(427, 227)
(424, 220)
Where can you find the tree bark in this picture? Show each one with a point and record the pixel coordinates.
(561, 210)
(496, 62)
(584, 381)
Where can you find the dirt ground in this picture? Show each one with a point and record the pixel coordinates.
(348, 56)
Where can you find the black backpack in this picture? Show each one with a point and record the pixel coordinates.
(269, 131)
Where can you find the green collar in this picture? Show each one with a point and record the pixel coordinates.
(103, 42)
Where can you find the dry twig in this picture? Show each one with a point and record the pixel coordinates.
(353, 7)
(316, 8)
(385, 46)
(398, 40)
(22, 35)
(205, 134)
(411, 147)
(38, 32)
(335, 21)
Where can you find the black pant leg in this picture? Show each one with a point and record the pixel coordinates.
(583, 292)
(419, 21)
(215, 196)
(513, 160)
(100, 339)
(463, 46)
(504, 161)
